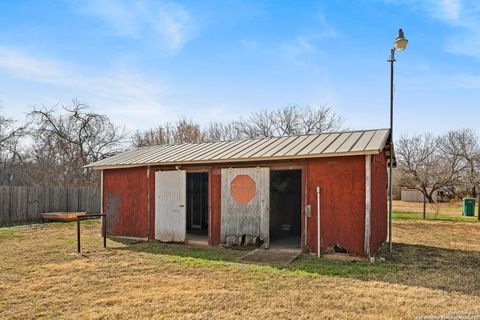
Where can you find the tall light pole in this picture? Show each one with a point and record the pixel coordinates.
(399, 45)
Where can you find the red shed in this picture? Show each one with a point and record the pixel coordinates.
(254, 192)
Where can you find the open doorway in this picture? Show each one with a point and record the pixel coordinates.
(286, 208)
(197, 207)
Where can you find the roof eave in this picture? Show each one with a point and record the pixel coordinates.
(219, 161)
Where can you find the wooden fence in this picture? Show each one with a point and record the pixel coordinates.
(21, 204)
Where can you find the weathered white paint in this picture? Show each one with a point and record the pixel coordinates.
(101, 200)
(170, 200)
(249, 221)
(148, 203)
(368, 203)
(101, 192)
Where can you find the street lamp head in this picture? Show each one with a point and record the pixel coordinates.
(401, 42)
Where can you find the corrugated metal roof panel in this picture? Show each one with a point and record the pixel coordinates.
(337, 143)
(234, 150)
(378, 140)
(290, 147)
(269, 147)
(261, 146)
(363, 141)
(280, 146)
(217, 148)
(251, 146)
(319, 139)
(302, 145)
(329, 139)
(348, 144)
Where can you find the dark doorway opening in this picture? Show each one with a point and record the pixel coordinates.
(285, 208)
(197, 206)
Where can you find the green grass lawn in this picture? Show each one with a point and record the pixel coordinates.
(430, 216)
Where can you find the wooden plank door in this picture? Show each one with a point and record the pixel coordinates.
(245, 206)
(170, 198)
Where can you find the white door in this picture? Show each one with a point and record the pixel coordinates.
(170, 214)
(245, 206)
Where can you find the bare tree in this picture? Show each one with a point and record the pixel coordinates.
(182, 131)
(257, 124)
(322, 119)
(425, 166)
(186, 131)
(464, 144)
(63, 143)
(217, 131)
(289, 120)
(11, 135)
(158, 136)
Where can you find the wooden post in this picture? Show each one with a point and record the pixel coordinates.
(104, 231)
(368, 203)
(424, 207)
(318, 223)
(78, 234)
(148, 203)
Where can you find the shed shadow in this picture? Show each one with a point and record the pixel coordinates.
(410, 264)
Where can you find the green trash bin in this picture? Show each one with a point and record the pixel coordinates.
(469, 207)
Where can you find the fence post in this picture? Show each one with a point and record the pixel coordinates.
(104, 219)
(78, 234)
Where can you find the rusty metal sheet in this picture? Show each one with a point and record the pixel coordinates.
(245, 206)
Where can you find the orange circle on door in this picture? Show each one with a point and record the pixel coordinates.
(243, 189)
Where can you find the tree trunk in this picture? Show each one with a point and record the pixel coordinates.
(424, 207)
(473, 193)
(430, 196)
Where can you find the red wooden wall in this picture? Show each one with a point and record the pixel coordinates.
(215, 181)
(125, 201)
(342, 203)
(342, 183)
(379, 202)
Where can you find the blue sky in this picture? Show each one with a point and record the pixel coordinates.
(147, 62)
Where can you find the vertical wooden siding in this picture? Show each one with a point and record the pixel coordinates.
(22, 204)
(379, 202)
(215, 205)
(170, 205)
(342, 205)
(125, 201)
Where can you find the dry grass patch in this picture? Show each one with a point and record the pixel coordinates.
(41, 277)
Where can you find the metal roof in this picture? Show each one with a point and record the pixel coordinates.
(277, 148)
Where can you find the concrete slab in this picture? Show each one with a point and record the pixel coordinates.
(285, 242)
(271, 256)
(197, 239)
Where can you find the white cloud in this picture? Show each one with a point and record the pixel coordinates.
(450, 8)
(467, 81)
(162, 23)
(462, 15)
(25, 66)
(126, 94)
(303, 46)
